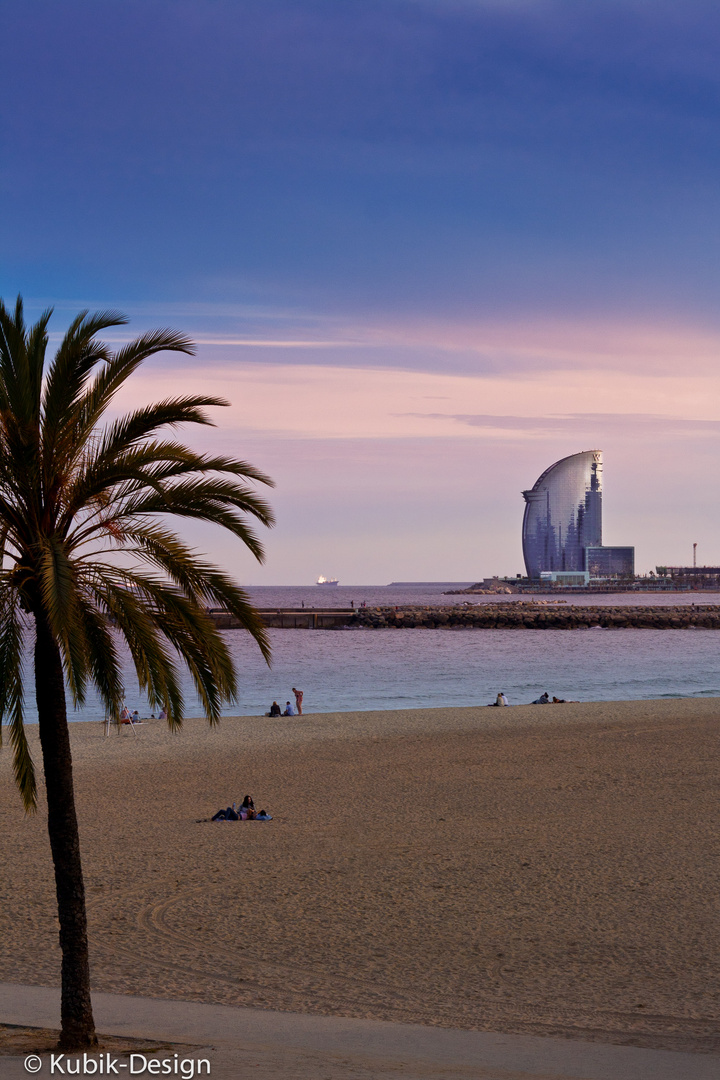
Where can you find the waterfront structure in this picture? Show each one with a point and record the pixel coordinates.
(562, 525)
(610, 561)
(691, 577)
(563, 515)
(565, 578)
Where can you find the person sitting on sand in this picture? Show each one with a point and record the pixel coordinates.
(544, 699)
(163, 715)
(247, 809)
(500, 700)
(275, 709)
(289, 711)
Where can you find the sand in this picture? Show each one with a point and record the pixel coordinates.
(543, 870)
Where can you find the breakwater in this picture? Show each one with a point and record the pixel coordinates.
(505, 616)
(509, 616)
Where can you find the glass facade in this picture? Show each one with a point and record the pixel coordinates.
(610, 561)
(563, 514)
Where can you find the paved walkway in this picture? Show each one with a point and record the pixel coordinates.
(255, 1044)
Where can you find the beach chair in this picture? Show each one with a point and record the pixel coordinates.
(120, 723)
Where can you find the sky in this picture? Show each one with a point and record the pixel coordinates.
(425, 248)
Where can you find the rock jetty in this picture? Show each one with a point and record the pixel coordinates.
(538, 616)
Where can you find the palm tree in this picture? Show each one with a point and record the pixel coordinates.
(76, 499)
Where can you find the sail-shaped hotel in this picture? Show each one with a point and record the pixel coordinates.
(562, 526)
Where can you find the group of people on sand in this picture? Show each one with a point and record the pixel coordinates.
(127, 717)
(544, 699)
(275, 709)
(245, 812)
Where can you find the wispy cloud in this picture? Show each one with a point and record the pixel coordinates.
(492, 347)
(631, 425)
(340, 402)
(276, 343)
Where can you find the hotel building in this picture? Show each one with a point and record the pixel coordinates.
(562, 525)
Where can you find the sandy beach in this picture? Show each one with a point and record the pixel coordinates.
(542, 870)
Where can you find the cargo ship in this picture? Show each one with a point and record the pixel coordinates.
(327, 581)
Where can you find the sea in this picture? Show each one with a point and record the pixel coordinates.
(348, 670)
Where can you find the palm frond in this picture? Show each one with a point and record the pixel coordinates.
(11, 693)
(102, 656)
(154, 666)
(58, 588)
(78, 354)
(72, 492)
(182, 621)
(120, 367)
(121, 481)
(206, 584)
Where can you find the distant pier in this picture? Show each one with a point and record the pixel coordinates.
(291, 618)
(506, 616)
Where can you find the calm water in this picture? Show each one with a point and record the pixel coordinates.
(313, 596)
(396, 669)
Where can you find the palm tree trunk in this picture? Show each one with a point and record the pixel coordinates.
(78, 1026)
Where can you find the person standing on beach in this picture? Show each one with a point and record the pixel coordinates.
(298, 700)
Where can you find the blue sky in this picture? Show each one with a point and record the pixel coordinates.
(426, 247)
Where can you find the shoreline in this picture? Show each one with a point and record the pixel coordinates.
(455, 717)
(529, 869)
